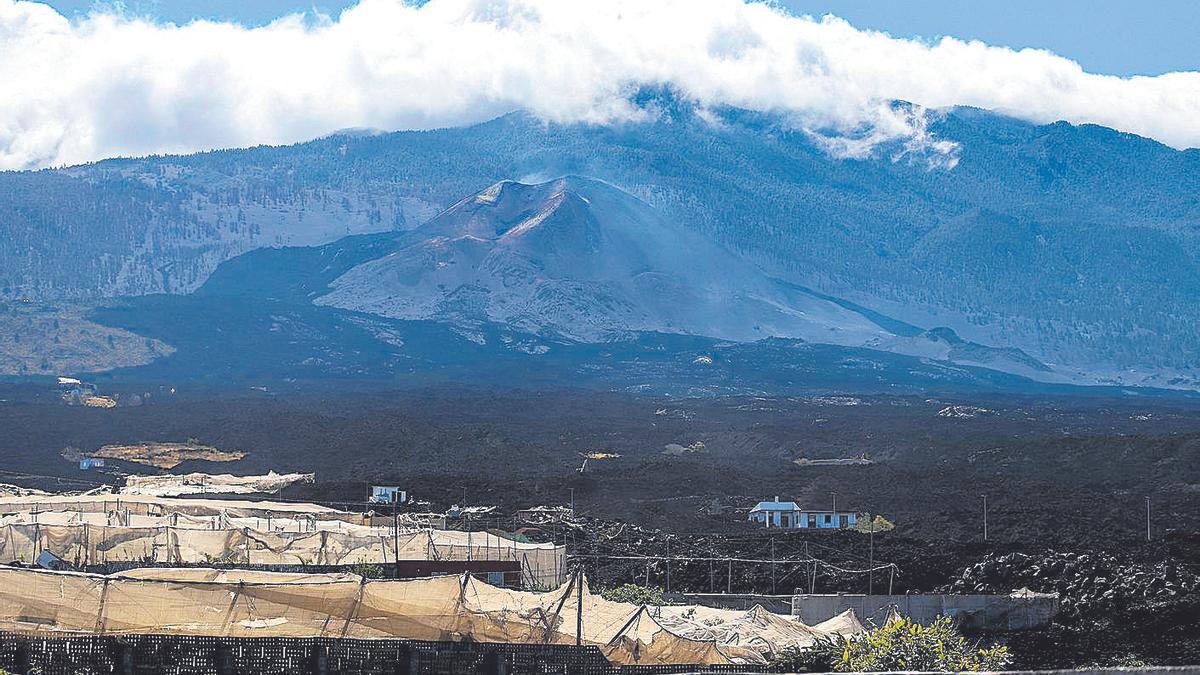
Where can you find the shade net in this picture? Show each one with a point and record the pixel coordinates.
(211, 602)
(85, 539)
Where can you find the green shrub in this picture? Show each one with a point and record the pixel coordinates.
(635, 594)
(368, 570)
(900, 645)
(880, 524)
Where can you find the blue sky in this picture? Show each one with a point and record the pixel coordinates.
(1117, 37)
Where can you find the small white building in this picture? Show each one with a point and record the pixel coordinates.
(387, 494)
(775, 513)
(790, 515)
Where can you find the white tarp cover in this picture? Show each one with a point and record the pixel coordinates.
(845, 624)
(262, 604)
(216, 484)
(88, 538)
(146, 505)
(756, 628)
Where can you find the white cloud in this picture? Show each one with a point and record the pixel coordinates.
(107, 85)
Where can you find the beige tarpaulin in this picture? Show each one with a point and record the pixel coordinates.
(845, 624)
(84, 539)
(144, 505)
(262, 604)
(216, 484)
(756, 628)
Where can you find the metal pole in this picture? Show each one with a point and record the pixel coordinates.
(579, 608)
(396, 539)
(985, 533)
(668, 563)
(871, 558)
(772, 565)
(1147, 517)
(834, 493)
(729, 579)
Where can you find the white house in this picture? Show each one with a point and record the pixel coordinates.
(776, 513)
(789, 515)
(387, 494)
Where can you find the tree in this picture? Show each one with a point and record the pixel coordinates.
(901, 644)
(867, 525)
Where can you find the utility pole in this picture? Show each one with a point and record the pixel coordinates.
(579, 607)
(396, 539)
(668, 563)
(572, 501)
(985, 517)
(871, 558)
(1147, 517)
(772, 565)
(834, 493)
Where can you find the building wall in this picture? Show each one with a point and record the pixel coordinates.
(799, 519)
(834, 523)
(774, 518)
(779, 604)
(998, 612)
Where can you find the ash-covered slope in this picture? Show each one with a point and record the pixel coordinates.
(581, 259)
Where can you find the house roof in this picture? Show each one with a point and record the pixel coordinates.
(776, 506)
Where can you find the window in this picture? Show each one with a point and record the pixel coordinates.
(843, 521)
(785, 520)
(812, 520)
(828, 519)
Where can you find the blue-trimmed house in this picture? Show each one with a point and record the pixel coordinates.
(789, 515)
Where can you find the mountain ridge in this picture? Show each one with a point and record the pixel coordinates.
(578, 259)
(1089, 264)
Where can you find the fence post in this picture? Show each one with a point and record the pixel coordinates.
(414, 662)
(23, 656)
(124, 663)
(224, 658)
(320, 659)
(493, 663)
(579, 607)
(406, 660)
